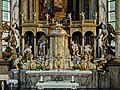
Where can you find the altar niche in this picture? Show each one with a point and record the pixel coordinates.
(76, 46)
(29, 40)
(41, 42)
(89, 43)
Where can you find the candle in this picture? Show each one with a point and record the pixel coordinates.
(73, 79)
(41, 78)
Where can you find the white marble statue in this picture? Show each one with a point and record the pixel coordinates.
(42, 48)
(88, 56)
(16, 34)
(75, 48)
(83, 15)
(28, 52)
(47, 16)
(104, 36)
(88, 52)
(69, 15)
(96, 15)
(76, 55)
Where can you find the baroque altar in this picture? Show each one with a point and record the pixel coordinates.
(55, 45)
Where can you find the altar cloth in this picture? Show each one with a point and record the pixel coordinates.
(54, 84)
(14, 81)
(52, 72)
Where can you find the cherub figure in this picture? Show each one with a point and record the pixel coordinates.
(88, 52)
(75, 48)
(83, 15)
(28, 52)
(69, 15)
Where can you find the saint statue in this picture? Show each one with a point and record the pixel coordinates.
(75, 48)
(28, 52)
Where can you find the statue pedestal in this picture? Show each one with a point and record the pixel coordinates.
(3, 74)
(4, 67)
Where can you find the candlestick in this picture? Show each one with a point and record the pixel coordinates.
(73, 80)
(41, 79)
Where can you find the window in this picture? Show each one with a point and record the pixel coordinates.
(111, 12)
(5, 18)
(6, 11)
(111, 20)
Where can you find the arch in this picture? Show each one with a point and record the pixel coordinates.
(40, 38)
(76, 41)
(89, 38)
(29, 39)
(39, 35)
(25, 31)
(89, 45)
(77, 37)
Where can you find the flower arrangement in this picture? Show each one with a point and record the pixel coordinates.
(39, 67)
(76, 67)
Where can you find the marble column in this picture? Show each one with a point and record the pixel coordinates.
(23, 45)
(56, 53)
(94, 47)
(102, 11)
(31, 9)
(51, 54)
(65, 3)
(1, 30)
(74, 9)
(35, 50)
(92, 8)
(74, 4)
(37, 9)
(117, 19)
(83, 44)
(80, 7)
(24, 9)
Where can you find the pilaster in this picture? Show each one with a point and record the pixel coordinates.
(1, 58)
(92, 8)
(35, 50)
(117, 13)
(102, 10)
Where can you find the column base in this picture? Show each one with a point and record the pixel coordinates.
(1, 59)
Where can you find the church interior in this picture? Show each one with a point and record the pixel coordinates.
(59, 44)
